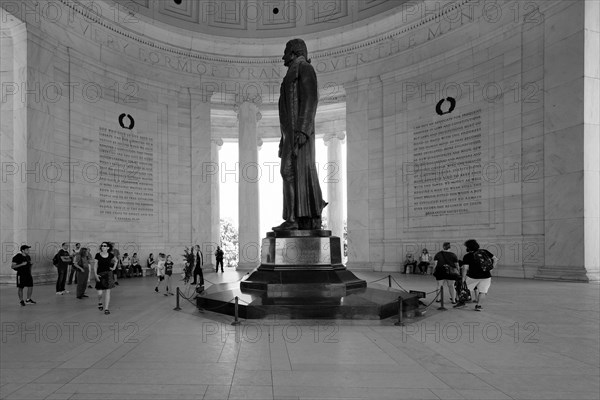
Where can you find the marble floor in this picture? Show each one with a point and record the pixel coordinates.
(534, 340)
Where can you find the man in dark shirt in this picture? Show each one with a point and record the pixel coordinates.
(219, 257)
(21, 263)
(477, 277)
(198, 263)
(61, 261)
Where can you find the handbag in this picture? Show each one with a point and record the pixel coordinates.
(449, 271)
(463, 293)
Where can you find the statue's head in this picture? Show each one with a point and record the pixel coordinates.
(298, 47)
(294, 48)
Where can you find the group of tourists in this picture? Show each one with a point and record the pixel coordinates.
(461, 277)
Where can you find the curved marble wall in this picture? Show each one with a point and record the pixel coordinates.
(512, 176)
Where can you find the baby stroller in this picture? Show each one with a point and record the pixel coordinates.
(463, 294)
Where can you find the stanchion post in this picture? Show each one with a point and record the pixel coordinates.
(399, 322)
(442, 299)
(389, 280)
(236, 321)
(177, 308)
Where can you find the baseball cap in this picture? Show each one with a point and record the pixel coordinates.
(25, 247)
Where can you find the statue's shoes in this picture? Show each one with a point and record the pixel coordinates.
(286, 226)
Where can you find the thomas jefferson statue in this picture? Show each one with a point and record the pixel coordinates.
(302, 198)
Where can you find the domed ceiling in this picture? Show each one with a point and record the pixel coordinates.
(258, 18)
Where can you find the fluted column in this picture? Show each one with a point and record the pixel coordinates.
(335, 183)
(249, 210)
(357, 129)
(215, 201)
(204, 171)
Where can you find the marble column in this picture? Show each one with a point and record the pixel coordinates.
(215, 210)
(335, 183)
(13, 148)
(249, 210)
(204, 173)
(357, 129)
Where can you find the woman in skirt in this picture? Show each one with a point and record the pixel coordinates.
(103, 273)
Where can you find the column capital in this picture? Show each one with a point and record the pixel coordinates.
(328, 137)
(256, 100)
(200, 93)
(218, 142)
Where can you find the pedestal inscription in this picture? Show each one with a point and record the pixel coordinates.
(303, 251)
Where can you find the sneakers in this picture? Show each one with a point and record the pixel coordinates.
(22, 303)
(156, 289)
(459, 304)
(106, 312)
(60, 293)
(30, 301)
(478, 307)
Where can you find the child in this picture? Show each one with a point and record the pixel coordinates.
(168, 273)
(160, 270)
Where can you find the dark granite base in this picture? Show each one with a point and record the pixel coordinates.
(364, 303)
(302, 276)
(302, 283)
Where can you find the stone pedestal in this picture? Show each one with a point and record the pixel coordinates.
(301, 275)
(303, 263)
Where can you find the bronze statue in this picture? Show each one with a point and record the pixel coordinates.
(302, 198)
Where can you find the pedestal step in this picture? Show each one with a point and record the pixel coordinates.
(366, 303)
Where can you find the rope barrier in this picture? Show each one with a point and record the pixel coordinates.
(379, 280)
(236, 321)
(285, 309)
(441, 307)
(399, 285)
(399, 322)
(435, 298)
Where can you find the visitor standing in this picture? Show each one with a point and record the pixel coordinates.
(62, 260)
(103, 273)
(21, 263)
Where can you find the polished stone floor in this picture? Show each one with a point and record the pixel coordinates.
(534, 340)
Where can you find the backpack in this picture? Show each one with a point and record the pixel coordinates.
(484, 260)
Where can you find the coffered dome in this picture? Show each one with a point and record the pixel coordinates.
(257, 18)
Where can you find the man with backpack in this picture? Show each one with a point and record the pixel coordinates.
(477, 264)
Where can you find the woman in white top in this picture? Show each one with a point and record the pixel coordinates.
(425, 263)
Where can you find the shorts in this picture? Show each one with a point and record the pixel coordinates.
(482, 285)
(24, 280)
